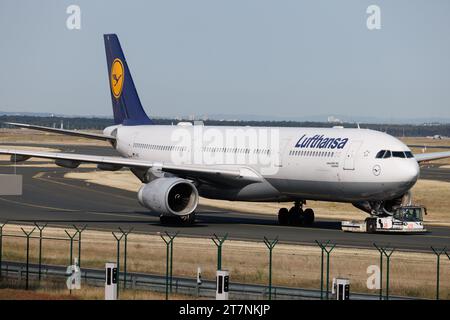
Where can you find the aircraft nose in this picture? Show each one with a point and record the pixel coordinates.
(410, 171)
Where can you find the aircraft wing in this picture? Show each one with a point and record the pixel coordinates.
(421, 157)
(205, 172)
(64, 131)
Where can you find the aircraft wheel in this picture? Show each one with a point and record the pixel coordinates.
(188, 219)
(283, 216)
(295, 216)
(181, 220)
(166, 220)
(309, 216)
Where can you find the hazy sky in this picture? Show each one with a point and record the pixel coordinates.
(284, 58)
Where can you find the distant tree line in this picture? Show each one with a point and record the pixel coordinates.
(81, 123)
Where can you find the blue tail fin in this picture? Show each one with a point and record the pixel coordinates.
(126, 105)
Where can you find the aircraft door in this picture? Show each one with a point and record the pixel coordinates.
(132, 152)
(281, 152)
(349, 160)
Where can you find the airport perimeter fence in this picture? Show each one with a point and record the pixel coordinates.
(265, 270)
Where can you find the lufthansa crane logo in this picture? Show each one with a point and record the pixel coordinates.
(376, 170)
(117, 74)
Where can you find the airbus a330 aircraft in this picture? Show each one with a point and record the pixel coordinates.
(372, 170)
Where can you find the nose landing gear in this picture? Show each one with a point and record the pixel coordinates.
(296, 216)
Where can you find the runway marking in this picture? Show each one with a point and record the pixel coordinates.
(40, 174)
(37, 206)
(119, 215)
(439, 237)
(74, 210)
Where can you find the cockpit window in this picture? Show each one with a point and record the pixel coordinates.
(380, 154)
(383, 154)
(398, 154)
(387, 154)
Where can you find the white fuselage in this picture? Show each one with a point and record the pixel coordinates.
(331, 164)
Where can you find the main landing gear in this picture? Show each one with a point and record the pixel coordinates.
(296, 216)
(178, 220)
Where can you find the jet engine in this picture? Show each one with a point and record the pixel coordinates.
(169, 196)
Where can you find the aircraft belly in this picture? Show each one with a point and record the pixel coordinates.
(338, 191)
(261, 191)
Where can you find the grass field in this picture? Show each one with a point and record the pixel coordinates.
(53, 290)
(294, 265)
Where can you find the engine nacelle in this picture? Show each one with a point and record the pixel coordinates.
(19, 158)
(169, 196)
(71, 164)
(109, 167)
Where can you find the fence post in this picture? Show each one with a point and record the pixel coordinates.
(118, 260)
(328, 267)
(387, 252)
(169, 249)
(448, 256)
(323, 247)
(79, 230)
(71, 237)
(381, 270)
(171, 265)
(270, 245)
(1, 247)
(438, 253)
(321, 274)
(125, 234)
(219, 242)
(27, 234)
(40, 246)
(388, 261)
